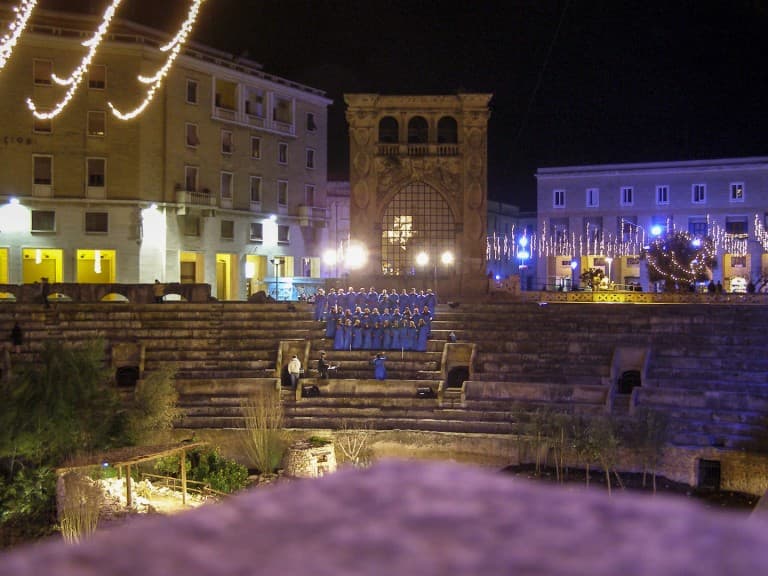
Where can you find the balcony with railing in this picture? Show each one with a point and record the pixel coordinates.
(390, 149)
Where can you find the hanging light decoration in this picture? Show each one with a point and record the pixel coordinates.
(76, 78)
(15, 29)
(156, 80)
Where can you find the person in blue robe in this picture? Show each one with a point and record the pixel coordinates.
(338, 336)
(377, 337)
(386, 335)
(423, 336)
(379, 366)
(331, 321)
(430, 301)
(396, 331)
(348, 334)
(411, 333)
(357, 335)
(320, 301)
(367, 334)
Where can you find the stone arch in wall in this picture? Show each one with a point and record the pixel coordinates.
(416, 219)
(389, 130)
(418, 130)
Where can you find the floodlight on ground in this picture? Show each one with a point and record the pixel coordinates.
(655, 230)
(422, 259)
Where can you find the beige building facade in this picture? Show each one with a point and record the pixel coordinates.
(220, 179)
(418, 177)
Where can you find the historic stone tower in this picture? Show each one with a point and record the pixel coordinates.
(418, 176)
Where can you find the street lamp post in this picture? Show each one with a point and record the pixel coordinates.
(277, 261)
(523, 255)
(608, 261)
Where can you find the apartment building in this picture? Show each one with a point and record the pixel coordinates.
(220, 179)
(601, 217)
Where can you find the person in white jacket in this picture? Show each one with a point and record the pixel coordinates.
(294, 371)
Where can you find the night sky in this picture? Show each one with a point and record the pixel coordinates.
(574, 81)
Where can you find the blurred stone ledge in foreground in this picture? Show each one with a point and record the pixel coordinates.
(416, 518)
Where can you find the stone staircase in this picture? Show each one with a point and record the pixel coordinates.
(707, 368)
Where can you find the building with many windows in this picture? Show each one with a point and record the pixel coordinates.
(602, 216)
(220, 179)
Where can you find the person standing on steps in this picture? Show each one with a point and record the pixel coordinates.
(158, 290)
(380, 366)
(294, 371)
(17, 337)
(323, 367)
(45, 290)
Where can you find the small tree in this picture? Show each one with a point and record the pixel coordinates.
(605, 445)
(265, 439)
(648, 435)
(680, 260)
(153, 408)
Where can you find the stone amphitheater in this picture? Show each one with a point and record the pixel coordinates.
(702, 364)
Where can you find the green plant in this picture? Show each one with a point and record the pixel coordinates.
(153, 409)
(206, 465)
(265, 439)
(27, 505)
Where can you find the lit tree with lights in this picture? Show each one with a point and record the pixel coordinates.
(680, 260)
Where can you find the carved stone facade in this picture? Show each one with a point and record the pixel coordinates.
(404, 149)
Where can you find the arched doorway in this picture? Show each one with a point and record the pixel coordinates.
(417, 220)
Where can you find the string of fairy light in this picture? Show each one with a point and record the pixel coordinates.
(631, 241)
(17, 26)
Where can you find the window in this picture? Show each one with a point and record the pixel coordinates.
(662, 195)
(697, 227)
(43, 170)
(558, 198)
(282, 193)
(191, 225)
(447, 130)
(255, 189)
(311, 125)
(97, 77)
(191, 91)
(388, 130)
(736, 226)
(254, 103)
(309, 194)
(627, 197)
(227, 229)
(282, 112)
(43, 221)
(192, 138)
(42, 126)
(418, 130)
(97, 172)
(699, 193)
(255, 148)
(737, 192)
(96, 222)
(310, 159)
(226, 142)
(97, 123)
(257, 232)
(226, 186)
(593, 197)
(42, 70)
(190, 178)
(282, 153)
(283, 234)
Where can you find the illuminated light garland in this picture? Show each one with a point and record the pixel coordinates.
(8, 41)
(76, 78)
(156, 80)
